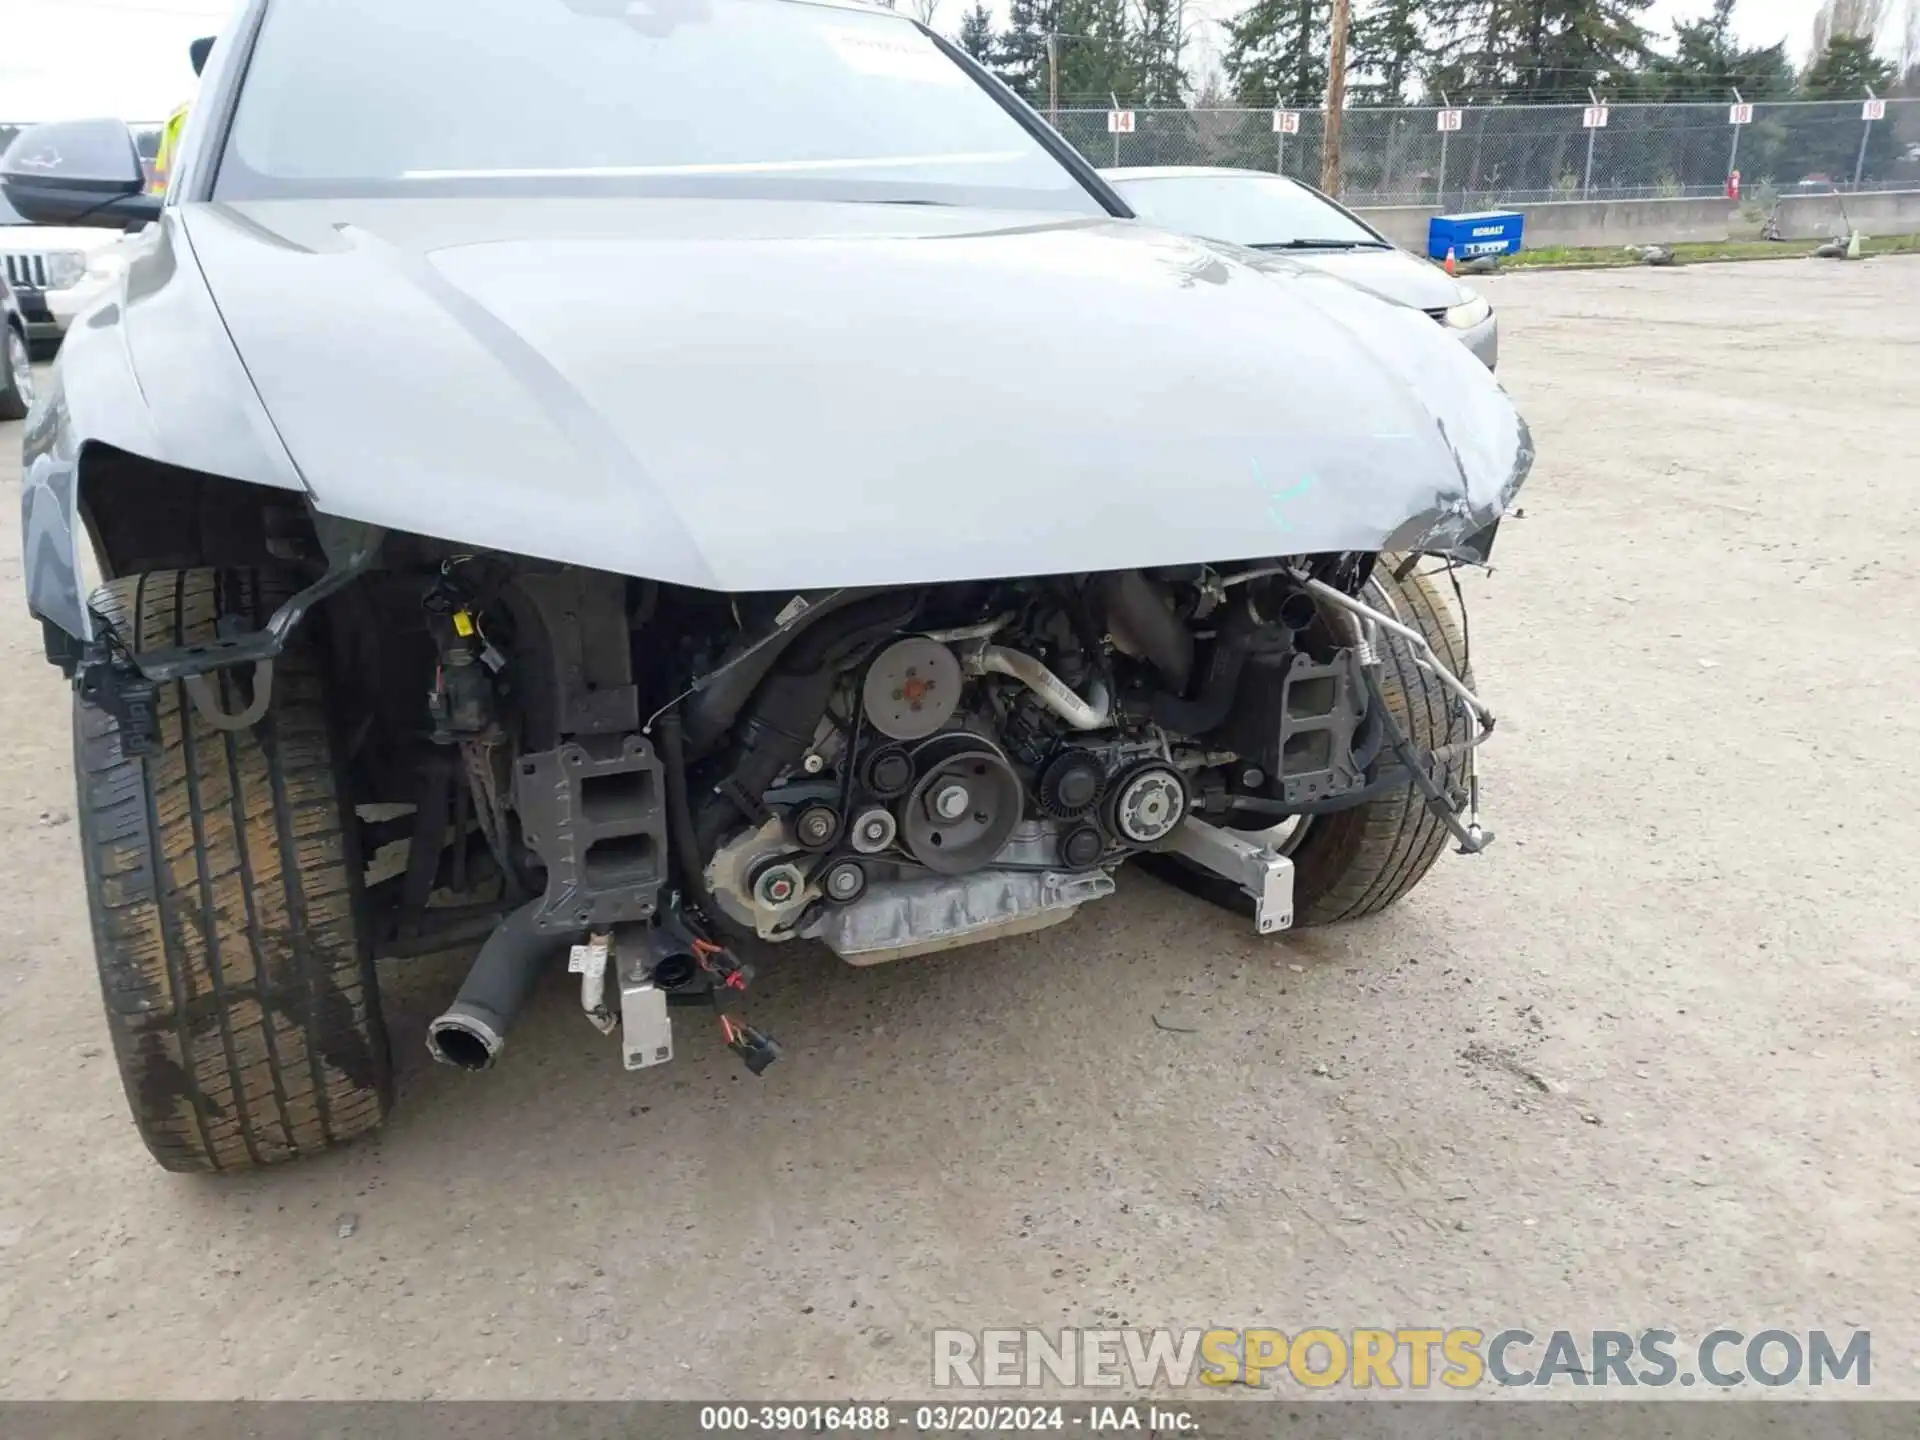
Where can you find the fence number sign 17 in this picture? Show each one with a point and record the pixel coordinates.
(1286, 122)
(1120, 122)
(1740, 114)
(1447, 120)
(1594, 117)
(1873, 110)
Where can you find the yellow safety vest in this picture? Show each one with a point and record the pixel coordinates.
(169, 148)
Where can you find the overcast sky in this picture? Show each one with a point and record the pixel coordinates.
(62, 59)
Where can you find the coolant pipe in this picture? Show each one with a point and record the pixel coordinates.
(1052, 692)
(473, 1032)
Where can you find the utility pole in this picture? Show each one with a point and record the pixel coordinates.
(1336, 101)
(1053, 79)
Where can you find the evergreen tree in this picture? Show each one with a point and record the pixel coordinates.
(1159, 44)
(1566, 47)
(1387, 51)
(1842, 72)
(1277, 52)
(1020, 54)
(1846, 69)
(976, 33)
(1098, 53)
(1706, 64)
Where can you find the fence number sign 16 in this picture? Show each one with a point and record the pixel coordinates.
(1873, 110)
(1740, 114)
(1594, 117)
(1286, 122)
(1120, 122)
(1447, 120)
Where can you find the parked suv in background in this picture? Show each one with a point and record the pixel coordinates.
(56, 272)
(16, 366)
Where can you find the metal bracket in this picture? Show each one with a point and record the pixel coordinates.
(351, 549)
(646, 1029)
(589, 962)
(1264, 875)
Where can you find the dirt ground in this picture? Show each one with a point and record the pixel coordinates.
(1651, 1061)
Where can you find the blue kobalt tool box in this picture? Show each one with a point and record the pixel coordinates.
(1491, 232)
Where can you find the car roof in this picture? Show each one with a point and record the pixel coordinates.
(1176, 172)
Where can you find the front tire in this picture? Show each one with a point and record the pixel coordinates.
(224, 887)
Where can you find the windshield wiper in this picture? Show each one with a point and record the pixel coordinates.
(1318, 245)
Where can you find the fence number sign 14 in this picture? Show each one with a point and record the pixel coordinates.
(1286, 122)
(1447, 119)
(1740, 114)
(1594, 117)
(1120, 122)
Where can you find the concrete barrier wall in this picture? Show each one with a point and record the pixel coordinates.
(1872, 212)
(1582, 222)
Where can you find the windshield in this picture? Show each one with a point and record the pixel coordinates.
(715, 98)
(1258, 210)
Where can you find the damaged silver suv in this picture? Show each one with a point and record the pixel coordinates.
(770, 490)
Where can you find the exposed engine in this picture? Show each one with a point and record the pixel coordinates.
(660, 774)
(921, 770)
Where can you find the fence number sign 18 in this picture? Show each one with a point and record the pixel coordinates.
(1286, 122)
(1873, 110)
(1594, 117)
(1447, 120)
(1120, 122)
(1740, 114)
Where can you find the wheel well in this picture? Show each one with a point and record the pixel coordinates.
(147, 515)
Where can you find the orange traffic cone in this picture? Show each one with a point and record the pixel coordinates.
(1449, 265)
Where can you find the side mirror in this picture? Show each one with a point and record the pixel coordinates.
(77, 172)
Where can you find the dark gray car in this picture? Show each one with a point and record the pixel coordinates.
(1276, 214)
(654, 530)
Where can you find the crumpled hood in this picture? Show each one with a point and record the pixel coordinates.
(749, 395)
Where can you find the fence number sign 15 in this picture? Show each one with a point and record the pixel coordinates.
(1447, 119)
(1873, 110)
(1740, 114)
(1120, 122)
(1286, 122)
(1594, 117)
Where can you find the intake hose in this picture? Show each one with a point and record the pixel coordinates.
(473, 1032)
(1209, 710)
(1048, 688)
(1138, 613)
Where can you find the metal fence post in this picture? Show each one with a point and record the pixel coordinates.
(1440, 191)
(1866, 133)
(1733, 155)
(1586, 185)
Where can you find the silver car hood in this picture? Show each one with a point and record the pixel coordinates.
(746, 395)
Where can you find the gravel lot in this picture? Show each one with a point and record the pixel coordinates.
(1649, 1062)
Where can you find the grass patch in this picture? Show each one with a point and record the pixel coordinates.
(1565, 257)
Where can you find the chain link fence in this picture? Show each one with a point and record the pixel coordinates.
(1518, 154)
(1510, 154)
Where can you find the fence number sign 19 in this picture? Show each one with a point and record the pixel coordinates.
(1286, 122)
(1873, 110)
(1594, 117)
(1740, 114)
(1447, 120)
(1120, 122)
